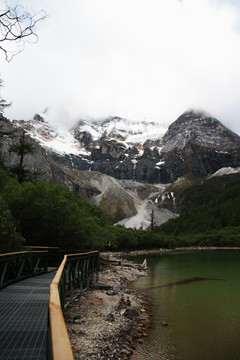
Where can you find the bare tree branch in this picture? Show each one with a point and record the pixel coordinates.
(16, 27)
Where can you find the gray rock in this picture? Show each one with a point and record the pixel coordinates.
(109, 317)
(131, 314)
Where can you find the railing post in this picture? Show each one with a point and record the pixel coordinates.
(5, 266)
(80, 284)
(71, 289)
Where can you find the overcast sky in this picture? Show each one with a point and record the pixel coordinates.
(139, 59)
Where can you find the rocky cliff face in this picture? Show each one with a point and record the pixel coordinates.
(36, 162)
(199, 129)
(199, 145)
(194, 144)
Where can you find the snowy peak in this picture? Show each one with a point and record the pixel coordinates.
(50, 137)
(120, 129)
(195, 144)
(87, 135)
(198, 128)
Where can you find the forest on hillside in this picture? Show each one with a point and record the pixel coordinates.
(210, 213)
(48, 214)
(33, 212)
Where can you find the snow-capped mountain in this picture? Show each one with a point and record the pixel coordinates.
(136, 155)
(116, 128)
(87, 134)
(200, 129)
(195, 144)
(52, 138)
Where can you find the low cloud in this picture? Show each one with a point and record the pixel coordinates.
(140, 59)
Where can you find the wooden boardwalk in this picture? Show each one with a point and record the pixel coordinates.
(23, 319)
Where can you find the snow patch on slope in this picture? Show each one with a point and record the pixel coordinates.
(142, 220)
(64, 143)
(62, 140)
(226, 171)
(57, 139)
(130, 131)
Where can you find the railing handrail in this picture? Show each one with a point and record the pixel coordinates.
(60, 342)
(57, 277)
(41, 247)
(83, 253)
(58, 329)
(16, 266)
(23, 252)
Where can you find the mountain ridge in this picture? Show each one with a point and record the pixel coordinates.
(195, 143)
(201, 129)
(128, 182)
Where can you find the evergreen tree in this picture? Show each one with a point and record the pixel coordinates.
(52, 215)
(22, 148)
(153, 223)
(9, 239)
(3, 103)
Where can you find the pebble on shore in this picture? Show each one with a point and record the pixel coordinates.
(108, 324)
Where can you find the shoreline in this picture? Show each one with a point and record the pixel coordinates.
(110, 319)
(163, 251)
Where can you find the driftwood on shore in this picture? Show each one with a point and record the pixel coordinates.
(182, 282)
(108, 261)
(113, 261)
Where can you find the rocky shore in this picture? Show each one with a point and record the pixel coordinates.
(189, 248)
(109, 320)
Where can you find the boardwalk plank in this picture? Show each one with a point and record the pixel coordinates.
(23, 319)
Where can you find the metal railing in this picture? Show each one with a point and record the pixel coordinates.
(75, 271)
(20, 265)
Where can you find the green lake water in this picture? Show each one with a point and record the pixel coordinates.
(198, 295)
